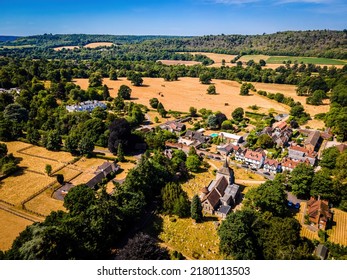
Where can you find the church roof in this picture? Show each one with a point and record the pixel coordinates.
(225, 169)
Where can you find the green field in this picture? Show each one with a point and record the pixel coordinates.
(17, 47)
(313, 60)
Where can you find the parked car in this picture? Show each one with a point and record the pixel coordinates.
(297, 205)
(290, 204)
(244, 165)
(266, 173)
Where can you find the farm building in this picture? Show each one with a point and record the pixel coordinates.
(87, 106)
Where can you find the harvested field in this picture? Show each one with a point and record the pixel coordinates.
(217, 58)
(192, 92)
(98, 44)
(44, 204)
(179, 62)
(11, 226)
(305, 232)
(18, 187)
(338, 233)
(63, 157)
(66, 48)
(193, 240)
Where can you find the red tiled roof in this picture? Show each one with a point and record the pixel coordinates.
(253, 155)
(272, 162)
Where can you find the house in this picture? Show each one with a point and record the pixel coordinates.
(236, 139)
(281, 125)
(280, 133)
(179, 146)
(88, 106)
(240, 153)
(173, 126)
(313, 140)
(194, 138)
(289, 164)
(222, 193)
(271, 165)
(318, 212)
(101, 172)
(226, 149)
(255, 158)
(302, 154)
(281, 117)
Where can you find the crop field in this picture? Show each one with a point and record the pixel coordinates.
(66, 48)
(299, 59)
(11, 226)
(187, 92)
(179, 62)
(98, 44)
(44, 204)
(255, 57)
(17, 47)
(193, 240)
(338, 233)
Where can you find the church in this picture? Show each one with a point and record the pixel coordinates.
(222, 194)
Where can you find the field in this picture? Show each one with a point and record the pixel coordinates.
(187, 92)
(66, 48)
(44, 204)
(17, 47)
(98, 44)
(11, 226)
(217, 58)
(179, 62)
(255, 57)
(338, 233)
(313, 60)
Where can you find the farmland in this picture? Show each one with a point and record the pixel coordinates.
(171, 94)
(179, 62)
(98, 44)
(217, 58)
(306, 60)
(66, 48)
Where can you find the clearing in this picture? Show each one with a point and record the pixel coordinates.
(306, 60)
(98, 44)
(187, 92)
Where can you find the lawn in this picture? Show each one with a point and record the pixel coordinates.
(299, 59)
(193, 240)
(11, 226)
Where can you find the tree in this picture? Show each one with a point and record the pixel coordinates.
(105, 93)
(113, 74)
(119, 103)
(262, 62)
(86, 146)
(269, 196)
(301, 180)
(161, 110)
(265, 141)
(71, 142)
(53, 141)
(135, 79)
(329, 157)
(174, 200)
(192, 111)
(237, 114)
(16, 113)
(99, 113)
(120, 153)
(193, 163)
(3, 150)
(124, 92)
(196, 209)
(237, 235)
(79, 199)
(60, 179)
(48, 169)
(154, 102)
(212, 121)
(33, 136)
(205, 78)
(322, 185)
(211, 89)
(227, 125)
(142, 247)
(95, 79)
(316, 98)
(120, 132)
(245, 88)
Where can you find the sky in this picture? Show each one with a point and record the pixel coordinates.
(171, 17)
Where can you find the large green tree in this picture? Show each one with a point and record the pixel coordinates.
(301, 180)
(196, 209)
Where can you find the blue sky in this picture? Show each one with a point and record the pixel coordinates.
(177, 17)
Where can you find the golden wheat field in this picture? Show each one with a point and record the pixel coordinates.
(338, 233)
(178, 62)
(11, 226)
(181, 95)
(217, 58)
(44, 204)
(98, 44)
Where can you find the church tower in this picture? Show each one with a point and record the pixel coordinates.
(227, 172)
